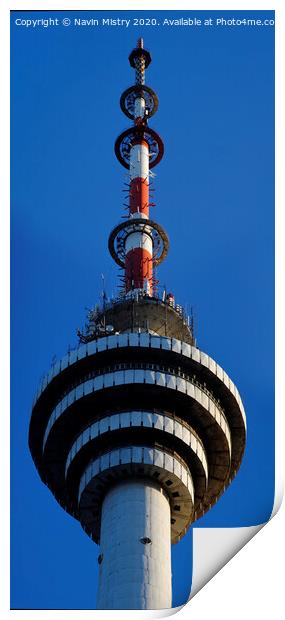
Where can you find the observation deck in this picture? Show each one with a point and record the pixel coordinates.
(137, 405)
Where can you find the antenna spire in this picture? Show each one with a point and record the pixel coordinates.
(139, 244)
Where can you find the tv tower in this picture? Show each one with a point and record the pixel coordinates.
(137, 432)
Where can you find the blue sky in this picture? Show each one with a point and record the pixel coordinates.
(215, 197)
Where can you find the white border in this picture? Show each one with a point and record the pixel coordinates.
(252, 584)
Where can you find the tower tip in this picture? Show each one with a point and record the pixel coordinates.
(140, 43)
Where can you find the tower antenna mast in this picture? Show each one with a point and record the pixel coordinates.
(137, 432)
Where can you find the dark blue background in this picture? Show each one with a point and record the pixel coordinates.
(215, 197)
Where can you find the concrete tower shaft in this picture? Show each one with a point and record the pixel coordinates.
(135, 550)
(137, 432)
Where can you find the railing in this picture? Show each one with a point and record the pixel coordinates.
(176, 372)
(93, 328)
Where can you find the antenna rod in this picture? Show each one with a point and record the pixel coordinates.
(138, 244)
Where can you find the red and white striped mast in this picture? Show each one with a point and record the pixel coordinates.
(139, 244)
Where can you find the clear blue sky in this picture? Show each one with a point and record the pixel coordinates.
(215, 197)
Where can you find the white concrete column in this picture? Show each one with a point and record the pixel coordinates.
(135, 548)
